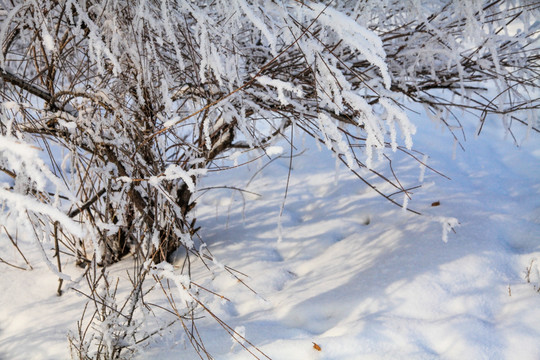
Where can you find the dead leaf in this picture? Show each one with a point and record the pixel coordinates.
(316, 347)
(436, 203)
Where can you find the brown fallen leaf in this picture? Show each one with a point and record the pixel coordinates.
(436, 203)
(316, 347)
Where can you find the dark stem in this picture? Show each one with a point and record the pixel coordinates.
(57, 254)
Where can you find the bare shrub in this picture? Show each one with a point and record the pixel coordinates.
(131, 102)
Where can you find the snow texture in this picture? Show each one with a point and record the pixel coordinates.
(354, 275)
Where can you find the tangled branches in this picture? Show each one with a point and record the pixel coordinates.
(134, 101)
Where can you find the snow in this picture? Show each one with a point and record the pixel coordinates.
(353, 273)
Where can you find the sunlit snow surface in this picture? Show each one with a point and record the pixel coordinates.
(353, 273)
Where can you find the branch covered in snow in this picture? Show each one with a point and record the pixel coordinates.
(112, 111)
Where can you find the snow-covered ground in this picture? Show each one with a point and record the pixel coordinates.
(352, 273)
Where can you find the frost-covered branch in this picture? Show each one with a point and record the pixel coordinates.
(112, 111)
